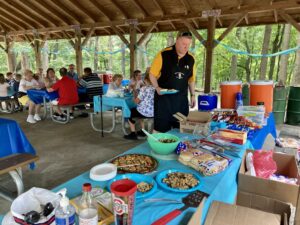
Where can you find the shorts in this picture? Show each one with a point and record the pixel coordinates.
(135, 114)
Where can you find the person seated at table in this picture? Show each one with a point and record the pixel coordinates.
(144, 109)
(16, 85)
(25, 84)
(115, 86)
(136, 81)
(10, 79)
(4, 87)
(71, 73)
(39, 80)
(92, 83)
(50, 78)
(67, 92)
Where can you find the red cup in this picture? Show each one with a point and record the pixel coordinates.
(123, 197)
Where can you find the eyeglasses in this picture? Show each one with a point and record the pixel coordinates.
(33, 216)
(185, 34)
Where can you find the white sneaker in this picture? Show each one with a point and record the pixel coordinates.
(30, 119)
(37, 117)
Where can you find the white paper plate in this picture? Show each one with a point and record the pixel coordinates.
(103, 172)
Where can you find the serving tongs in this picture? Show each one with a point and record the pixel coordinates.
(192, 200)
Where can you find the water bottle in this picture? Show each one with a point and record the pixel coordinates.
(238, 100)
(88, 211)
(65, 213)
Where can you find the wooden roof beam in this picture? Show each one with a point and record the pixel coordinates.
(9, 24)
(121, 36)
(67, 11)
(38, 12)
(247, 19)
(186, 5)
(88, 36)
(144, 36)
(106, 30)
(290, 20)
(101, 9)
(121, 29)
(82, 9)
(120, 9)
(53, 11)
(140, 7)
(220, 21)
(14, 9)
(67, 36)
(13, 17)
(27, 38)
(138, 29)
(232, 25)
(172, 24)
(195, 23)
(2, 28)
(195, 32)
(156, 3)
(275, 16)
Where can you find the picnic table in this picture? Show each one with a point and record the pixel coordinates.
(112, 103)
(15, 152)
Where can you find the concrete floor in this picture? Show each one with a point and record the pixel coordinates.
(65, 151)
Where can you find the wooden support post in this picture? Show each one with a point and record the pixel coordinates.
(132, 47)
(209, 53)
(9, 54)
(290, 20)
(78, 51)
(37, 52)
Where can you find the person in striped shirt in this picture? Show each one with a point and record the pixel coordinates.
(93, 84)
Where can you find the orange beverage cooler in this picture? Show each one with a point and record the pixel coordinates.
(229, 89)
(261, 93)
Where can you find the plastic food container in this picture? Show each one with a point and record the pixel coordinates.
(254, 113)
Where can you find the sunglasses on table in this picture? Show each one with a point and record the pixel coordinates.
(34, 216)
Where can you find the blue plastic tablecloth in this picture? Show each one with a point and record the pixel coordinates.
(13, 140)
(37, 96)
(259, 137)
(221, 187)
(126, 103)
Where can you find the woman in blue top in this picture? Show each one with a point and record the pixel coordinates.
(144, 109)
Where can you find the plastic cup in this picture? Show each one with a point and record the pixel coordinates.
(123, 197)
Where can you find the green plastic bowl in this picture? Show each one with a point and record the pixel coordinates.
(163, 148)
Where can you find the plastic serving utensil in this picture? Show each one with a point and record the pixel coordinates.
(150, 135)
(192, 200)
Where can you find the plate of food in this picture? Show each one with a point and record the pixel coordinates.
(135, 163)
(178, 180)
(146, 185)
(168, 91)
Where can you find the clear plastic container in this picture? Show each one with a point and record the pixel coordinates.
(254, 113)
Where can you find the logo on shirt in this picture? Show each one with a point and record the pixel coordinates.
(179, 75)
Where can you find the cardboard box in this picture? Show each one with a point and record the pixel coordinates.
(225, 214)
(286, 165)
(265, 204)
(195, 118)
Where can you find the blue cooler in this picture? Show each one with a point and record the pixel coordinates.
(207, 102)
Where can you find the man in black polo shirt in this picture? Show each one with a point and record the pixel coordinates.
(173, 68)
